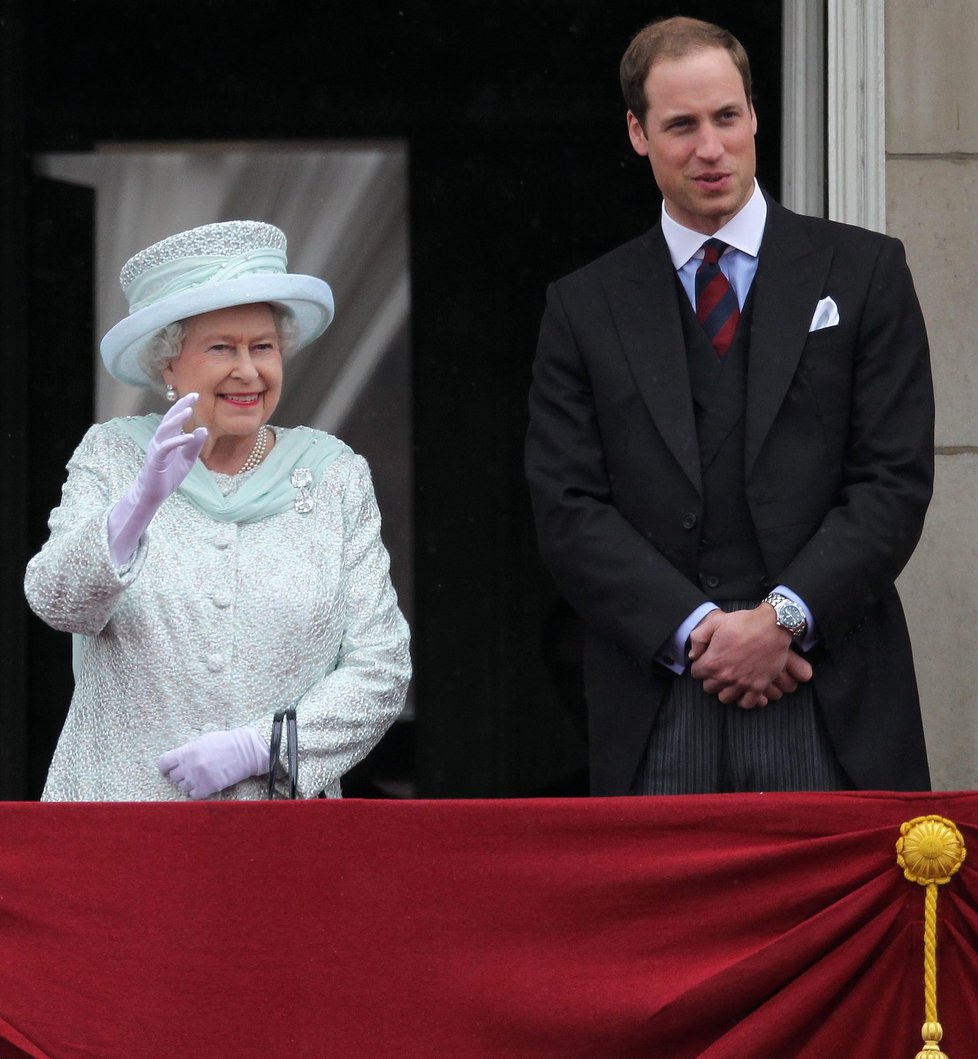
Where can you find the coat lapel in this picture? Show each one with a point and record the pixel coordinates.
(643, 302)
(789, 282)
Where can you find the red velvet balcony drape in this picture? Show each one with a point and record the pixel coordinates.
(765, 926)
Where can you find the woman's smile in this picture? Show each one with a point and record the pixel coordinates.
(238, 346)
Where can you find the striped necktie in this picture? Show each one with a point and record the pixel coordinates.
(716, 303)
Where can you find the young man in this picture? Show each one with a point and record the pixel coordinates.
(730, 456)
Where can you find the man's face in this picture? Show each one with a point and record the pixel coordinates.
(699, 137)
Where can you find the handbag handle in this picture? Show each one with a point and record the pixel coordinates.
(292, 742)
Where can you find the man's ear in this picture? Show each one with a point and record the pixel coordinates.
(637, 135)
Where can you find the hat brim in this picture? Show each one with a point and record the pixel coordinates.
(308, 299)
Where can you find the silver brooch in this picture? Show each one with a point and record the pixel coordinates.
(301, 480)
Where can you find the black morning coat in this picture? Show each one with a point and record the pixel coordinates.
(838, 475)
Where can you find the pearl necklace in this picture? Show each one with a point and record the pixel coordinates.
(258, 452)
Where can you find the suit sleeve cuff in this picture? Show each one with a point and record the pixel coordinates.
(672, 654)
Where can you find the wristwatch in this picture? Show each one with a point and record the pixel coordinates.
(787, 614)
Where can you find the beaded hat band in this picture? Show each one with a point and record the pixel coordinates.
(216, 266)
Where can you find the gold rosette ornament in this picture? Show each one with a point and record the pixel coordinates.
(930, 850)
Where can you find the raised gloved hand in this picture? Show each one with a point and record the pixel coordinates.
(215, 760)
(169, 458)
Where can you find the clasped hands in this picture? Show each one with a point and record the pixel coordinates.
(745, 657)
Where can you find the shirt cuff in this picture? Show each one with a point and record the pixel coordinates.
(672, 654)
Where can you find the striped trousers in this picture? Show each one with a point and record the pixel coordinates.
(698, 745)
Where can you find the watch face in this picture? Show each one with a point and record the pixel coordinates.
(789, 614)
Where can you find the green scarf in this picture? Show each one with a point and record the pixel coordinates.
(268, 490)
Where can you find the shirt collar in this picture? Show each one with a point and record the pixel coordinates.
(743, 231)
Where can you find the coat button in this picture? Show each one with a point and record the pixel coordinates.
(224, 537)
(712, 581)
(689, 520)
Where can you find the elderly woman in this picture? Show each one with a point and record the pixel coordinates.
(215, 568)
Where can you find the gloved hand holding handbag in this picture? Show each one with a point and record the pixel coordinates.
(216, 760)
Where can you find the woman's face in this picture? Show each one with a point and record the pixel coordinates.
(231, 357)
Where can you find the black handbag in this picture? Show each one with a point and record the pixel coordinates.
(292, 743)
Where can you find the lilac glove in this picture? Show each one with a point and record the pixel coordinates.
(169, 458)
(215, 760)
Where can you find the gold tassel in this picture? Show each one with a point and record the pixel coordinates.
(932, 1034)
(930, 850)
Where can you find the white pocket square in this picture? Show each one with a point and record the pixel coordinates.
(826, 315)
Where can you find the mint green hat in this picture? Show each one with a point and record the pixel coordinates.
(216, 266)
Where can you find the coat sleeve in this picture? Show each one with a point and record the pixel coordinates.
(343, 715)
(886, 437)
(72, 583)
(617, 579)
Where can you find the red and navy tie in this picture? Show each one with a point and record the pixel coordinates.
(716, 303)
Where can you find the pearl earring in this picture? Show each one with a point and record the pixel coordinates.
(171, 393)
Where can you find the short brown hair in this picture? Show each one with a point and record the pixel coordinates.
(673, 38)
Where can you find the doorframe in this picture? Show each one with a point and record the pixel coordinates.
(834, 110)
